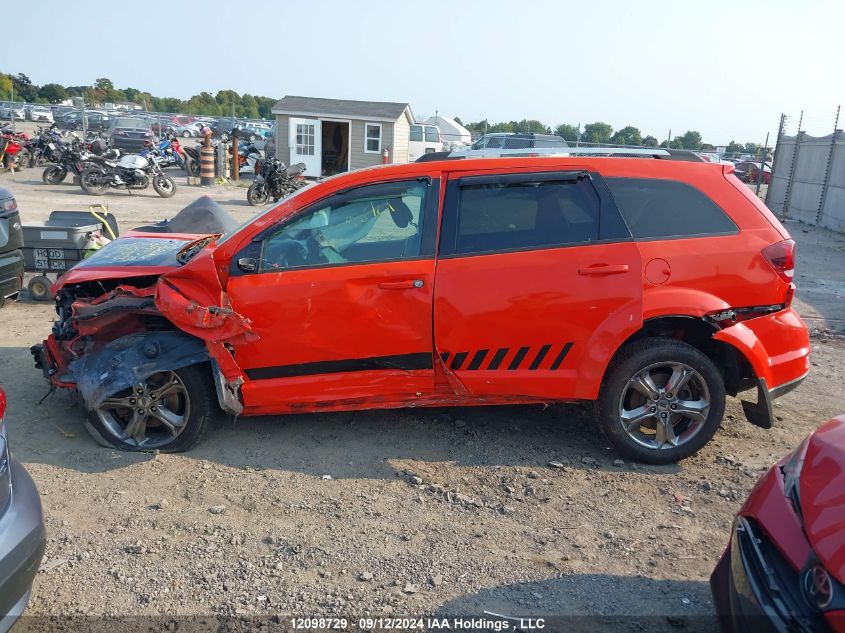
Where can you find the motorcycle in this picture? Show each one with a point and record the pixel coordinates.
(45, 147)
(10, 152)
(73, 158)
(248, 156)
(133, 171)
(170, 153)
(274, 179)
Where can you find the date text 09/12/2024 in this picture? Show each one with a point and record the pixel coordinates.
(432, 623)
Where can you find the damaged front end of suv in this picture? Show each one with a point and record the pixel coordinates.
(139, 325)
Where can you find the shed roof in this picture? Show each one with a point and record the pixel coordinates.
(381, 110)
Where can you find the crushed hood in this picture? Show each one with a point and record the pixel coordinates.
(822, 493)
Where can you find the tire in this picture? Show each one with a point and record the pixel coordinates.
(252, 137)
(93, 181)
(192, 166)
(53, 175)
(164, 185)
(39, 288)
(23, 160)
(257, 194)
(192, 401)
(678, 436)
(186, 134)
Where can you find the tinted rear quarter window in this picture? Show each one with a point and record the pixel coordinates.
(655, 208)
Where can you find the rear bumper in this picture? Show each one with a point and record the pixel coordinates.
(22, 542)
(777, 346)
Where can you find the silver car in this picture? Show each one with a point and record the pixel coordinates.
(22, 533)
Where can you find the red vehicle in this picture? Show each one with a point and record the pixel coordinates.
(651, 287)
(749, 171)
(784, 568)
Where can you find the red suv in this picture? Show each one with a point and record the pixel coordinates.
(651, 287)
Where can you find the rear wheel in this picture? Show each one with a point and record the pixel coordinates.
(53, 175)
(167, 411)
(257, 194)
(662, 401)
(186, 134)
(93, 181)
(39, 288)
(164, 185)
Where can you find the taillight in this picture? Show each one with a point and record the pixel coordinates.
(781, 257)
(2, 404)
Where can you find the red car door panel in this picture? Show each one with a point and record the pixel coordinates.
(337, 330)
(535, 319)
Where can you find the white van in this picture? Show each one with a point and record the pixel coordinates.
(424, 139)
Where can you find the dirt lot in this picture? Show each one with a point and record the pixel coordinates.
(407, 512)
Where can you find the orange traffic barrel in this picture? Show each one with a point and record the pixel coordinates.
(206, 166)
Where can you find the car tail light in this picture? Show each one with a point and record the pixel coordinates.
(2, 404)
(781, 257)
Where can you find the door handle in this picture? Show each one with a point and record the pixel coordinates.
(407, 284)
(604, 269)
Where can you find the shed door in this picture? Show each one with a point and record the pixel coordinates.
(305, 147)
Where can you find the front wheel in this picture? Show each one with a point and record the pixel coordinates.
(164, 185)
(257, 194)
(192, 166)
(167, 411)
(661, 401)
(93, 181)
(39, 288)
(186, 134)
(53, 175)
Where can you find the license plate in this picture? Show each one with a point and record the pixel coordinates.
(52, 146)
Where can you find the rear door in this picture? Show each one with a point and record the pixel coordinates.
(305, 145)
(538, 282)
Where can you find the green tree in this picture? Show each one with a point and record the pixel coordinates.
(5, 86)
(265, 105)
(690, 140)
(567, 132)
(250, 106)
(649, 141)
(597, 132)
(529, 125)
(25, 90)
(628, 135)
(52, 93)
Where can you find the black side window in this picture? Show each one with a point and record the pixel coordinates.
(511, 216)
(666, 208)
(517, 142)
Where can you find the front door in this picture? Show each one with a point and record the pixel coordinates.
(304, 140)
(538, 282)
(341, 302)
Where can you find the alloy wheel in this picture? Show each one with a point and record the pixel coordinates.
(664, 405)
(150, 414)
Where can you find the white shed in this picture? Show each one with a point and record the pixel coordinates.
(450, 130)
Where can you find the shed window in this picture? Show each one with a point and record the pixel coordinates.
(372, 138)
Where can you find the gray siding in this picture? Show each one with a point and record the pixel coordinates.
(282, 140)
(360, 158)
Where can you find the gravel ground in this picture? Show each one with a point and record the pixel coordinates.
(509, 509)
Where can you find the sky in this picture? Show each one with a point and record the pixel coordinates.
(726, 69)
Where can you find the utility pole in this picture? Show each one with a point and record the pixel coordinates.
(669, 139)
(776, 153)
(12, 109)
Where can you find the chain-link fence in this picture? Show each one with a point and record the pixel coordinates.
(808, 174)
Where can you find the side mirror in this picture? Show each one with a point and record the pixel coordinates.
(248, 264)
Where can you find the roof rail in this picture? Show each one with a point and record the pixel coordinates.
(598, 151)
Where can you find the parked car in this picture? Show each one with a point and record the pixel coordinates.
(95, 121)
(784, 567)
(40, 114)
(11, 241)
(129, 134)
(22, 532)
(510, 144)
(187, 130)
(749, 171)
(253, 131)
(11, 110)
(553, 279)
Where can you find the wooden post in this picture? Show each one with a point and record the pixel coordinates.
(235, 157)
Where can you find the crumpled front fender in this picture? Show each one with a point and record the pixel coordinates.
(131, 359)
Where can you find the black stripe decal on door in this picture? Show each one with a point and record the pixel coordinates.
(498, 357)
(405, 362)
(520, 354)
(459, 359)
(478, 358)
(540, 356)
(562, 355)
